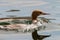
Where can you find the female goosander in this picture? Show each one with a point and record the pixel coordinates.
(33, 26)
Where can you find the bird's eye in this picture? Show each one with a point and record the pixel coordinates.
(40, 12)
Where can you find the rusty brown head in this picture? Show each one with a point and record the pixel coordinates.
(36, 13)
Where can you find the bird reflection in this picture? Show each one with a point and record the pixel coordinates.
(35, 36)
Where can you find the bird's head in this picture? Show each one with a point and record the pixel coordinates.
(36, 13)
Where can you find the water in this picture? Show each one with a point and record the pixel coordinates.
(15, 36)
(27, 36)
(26, 7)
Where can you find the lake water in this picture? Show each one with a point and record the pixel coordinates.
(55, 35)
(26, 7)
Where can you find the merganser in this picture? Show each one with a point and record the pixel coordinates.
(35, 24)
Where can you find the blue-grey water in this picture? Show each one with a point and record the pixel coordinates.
(27, 36)
(26, 7)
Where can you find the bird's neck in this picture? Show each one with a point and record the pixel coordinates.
(34, 17)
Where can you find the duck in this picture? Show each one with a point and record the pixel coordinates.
(29, 27)
(34, 26)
